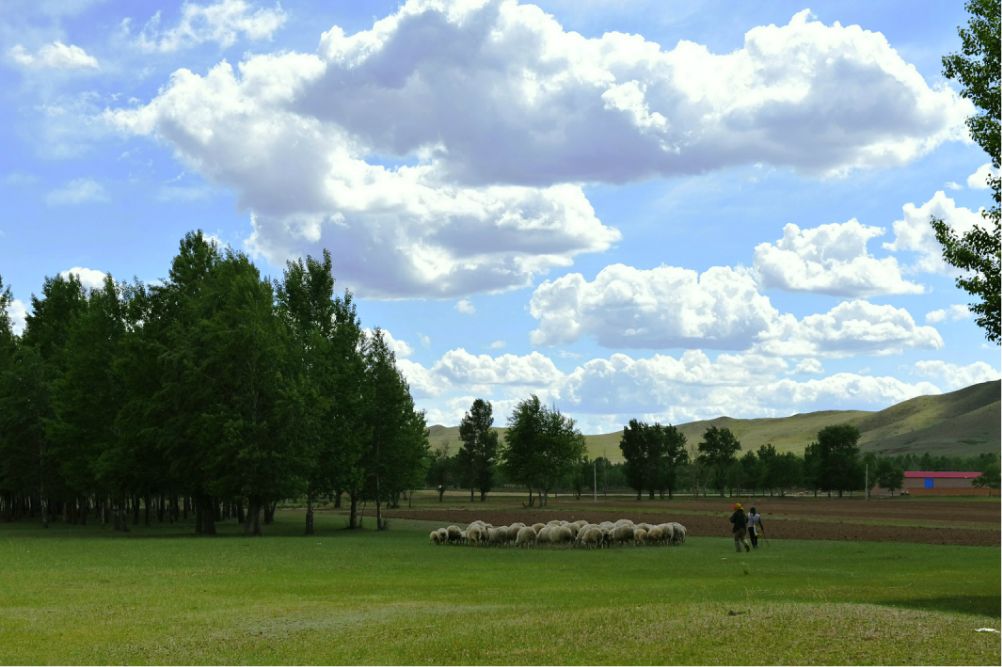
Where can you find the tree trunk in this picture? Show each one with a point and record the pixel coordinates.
(269, 512)
(146, 505)
(252, 524)
(337, 498)
(352, 511)
(309, 514)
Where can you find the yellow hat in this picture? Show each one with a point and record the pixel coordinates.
(737, 506)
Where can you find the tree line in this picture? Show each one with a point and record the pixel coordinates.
(216, 391)
(658, 461)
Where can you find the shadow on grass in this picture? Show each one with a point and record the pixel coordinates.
(979, 605)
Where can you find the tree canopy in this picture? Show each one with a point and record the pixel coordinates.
(977, 252)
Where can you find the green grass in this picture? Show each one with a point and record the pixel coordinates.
(86, 596)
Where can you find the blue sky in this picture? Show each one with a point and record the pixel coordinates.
(664, 210)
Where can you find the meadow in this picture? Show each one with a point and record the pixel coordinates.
(85, 595)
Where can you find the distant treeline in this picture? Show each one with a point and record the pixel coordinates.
(658, 462)
(217, 392)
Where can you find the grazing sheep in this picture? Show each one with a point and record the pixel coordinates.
(435, 537)
(474, 534)
(668, 531)
(656, 535)
(455, 534)
(513, 529)
(622, 534)
(543, 536)
(591, 536)
(501, 535)
(538, 527)
(561, 535)
(678, 536)
(526, 537)
(639, 536)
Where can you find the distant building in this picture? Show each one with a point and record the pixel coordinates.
(929, 482)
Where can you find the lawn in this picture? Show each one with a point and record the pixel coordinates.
(85, 595)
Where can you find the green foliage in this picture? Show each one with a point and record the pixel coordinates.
(717, 451)
(977, 252)
(652, 455)
(838, 457)
(479, 452)
(541, 447)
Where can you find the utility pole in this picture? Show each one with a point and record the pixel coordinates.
(594, 481)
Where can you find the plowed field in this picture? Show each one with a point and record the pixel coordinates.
(928, 521)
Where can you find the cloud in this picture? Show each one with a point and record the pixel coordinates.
(399, 231)
(89, 278)
(18, 313)
(810, 366)
(830, 259)
(663, 307)
(77, 191)
(914, 233)
(850, 328)
(363, 148)
(604, 393)
(466, 307)
(619, 107)
(497, 345)
(979, 179)
(532, 370)
(954, 376)
(951, 313)
(53, 56)
(222, 23)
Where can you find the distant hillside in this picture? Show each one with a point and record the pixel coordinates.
(962, 423)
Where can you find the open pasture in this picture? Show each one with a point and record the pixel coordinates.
(159, 595)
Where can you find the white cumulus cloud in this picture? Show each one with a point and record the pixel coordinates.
(89, 278)
(957, 311)
(363, 148)
(979, 179)
(831, 259)
(913, 233)
(850, 328)
(663, 307)
(466, 307)
(954, 376)
(55, 55)
(222, 23)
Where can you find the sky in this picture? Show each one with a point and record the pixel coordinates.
(660, 210)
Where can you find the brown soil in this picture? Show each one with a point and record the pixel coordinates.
(954, 521)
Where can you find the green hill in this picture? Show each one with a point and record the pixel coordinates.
(961, 423)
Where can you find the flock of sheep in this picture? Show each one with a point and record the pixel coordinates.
(569, 533)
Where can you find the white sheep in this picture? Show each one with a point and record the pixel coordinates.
(639, 536)
(656, 535)
(455, 534)
(538, 527)
(561, 535)
(526, 537)
(591, 536)
(622, 534)
(678, 530)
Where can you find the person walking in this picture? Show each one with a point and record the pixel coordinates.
(739, 523)
(755, 526)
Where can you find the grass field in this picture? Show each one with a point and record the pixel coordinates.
(85, 595)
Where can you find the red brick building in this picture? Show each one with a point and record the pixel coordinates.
(934, 483)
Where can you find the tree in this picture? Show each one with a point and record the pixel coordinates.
(652, 455)
(977, 252)
(990, 476)
(640, 455)
(480, 444)
(305, 299)
(838, 455)
(890, 475)
(541, 447)
(86, 399)
(397, 445)
(717, 451)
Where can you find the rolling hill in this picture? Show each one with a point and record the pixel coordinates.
(961, 423)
